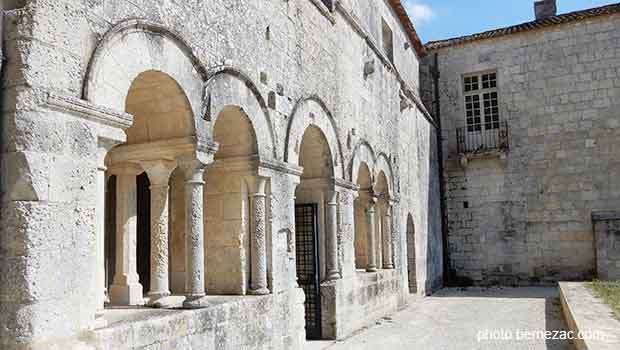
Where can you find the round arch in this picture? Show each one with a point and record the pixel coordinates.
(136, 46)
(231, 88)
(362, 154)
(313, 112)
(383, 165)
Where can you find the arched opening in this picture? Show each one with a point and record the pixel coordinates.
(383, 221)
(313, 194)
(360, 205)
(411, 256)
(230, 188)
(143, 241)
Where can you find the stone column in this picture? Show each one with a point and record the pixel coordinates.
(100, 282)
(258, 242)
(388, 260)
(331, 236)
(126, 288)
(194, 235)
(159, 172)
(372, 245)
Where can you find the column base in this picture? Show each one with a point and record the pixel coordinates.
(389, 267)
(130, 294)
(260, 291)
(371, 269)
(332, 276)
(99, 321)
(155, 297)
(195, 302)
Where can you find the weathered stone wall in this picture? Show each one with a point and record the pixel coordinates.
(230, 323)
(524, 218)
(283, 51)
(607, 244)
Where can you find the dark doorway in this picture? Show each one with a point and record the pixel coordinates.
(411, 265)
(110, 231)
(307, 256)
(143, 254)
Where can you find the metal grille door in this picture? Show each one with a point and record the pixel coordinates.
(307, 255)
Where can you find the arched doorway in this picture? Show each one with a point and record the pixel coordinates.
(163, 124)
(314, 193)
(383, 222)
(361, 206)
(232, 185)
(411, 256)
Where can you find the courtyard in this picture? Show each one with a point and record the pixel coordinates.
(456, 318)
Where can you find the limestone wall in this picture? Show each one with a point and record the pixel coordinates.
(286, 63)
(525, 217)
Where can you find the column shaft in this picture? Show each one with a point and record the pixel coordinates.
(372, 250)
(159, 242)
(126, 289)
(159, 172)
(100, 287)
(388, 261)
(258, 283)
(194, 236)
(331, 236)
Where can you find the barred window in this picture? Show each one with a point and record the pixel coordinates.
(481, 101)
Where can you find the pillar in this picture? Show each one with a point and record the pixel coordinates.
(331, 235)
(258, 241)
(159, 172)
(388, 257)
(126, 288)
(372, 250)
(100, 281)
(194, 235)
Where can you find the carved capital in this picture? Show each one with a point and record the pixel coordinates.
(158, 171)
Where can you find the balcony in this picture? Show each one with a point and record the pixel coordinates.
(482, 141)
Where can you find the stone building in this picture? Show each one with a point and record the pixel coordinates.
(531, 136)
(235, 174)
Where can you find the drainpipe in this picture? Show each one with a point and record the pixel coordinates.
(447, 277)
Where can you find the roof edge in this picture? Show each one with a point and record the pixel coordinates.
(398, 7)
(542, 23)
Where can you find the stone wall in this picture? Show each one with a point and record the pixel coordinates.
(607, 244)
(524, 216)
(288, 64)
(266, 322)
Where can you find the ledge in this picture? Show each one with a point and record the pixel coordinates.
(87, 110)
(605, 215)
(586, 314)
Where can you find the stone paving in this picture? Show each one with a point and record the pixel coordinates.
(452, 319)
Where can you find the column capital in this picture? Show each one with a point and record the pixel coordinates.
(332, 197)
(193, 168)
(158, 171)
(372, 203)
(257, 185)
(125, 169)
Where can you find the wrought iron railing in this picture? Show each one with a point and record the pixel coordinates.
(482, 140)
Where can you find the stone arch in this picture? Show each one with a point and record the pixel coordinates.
(229, 87)
(313, 112)
(362, 154)
(136, 46)
(383, 165)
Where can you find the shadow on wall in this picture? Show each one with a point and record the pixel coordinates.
(434, 246)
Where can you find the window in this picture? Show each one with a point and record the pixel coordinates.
(481, 102)
(388, 41)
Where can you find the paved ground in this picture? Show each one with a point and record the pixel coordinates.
(454, 319)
